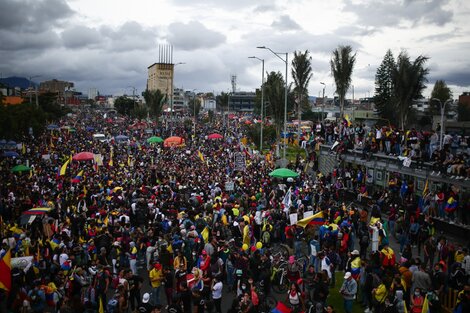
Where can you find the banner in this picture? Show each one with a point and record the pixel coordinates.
(240, 161)
(293, 218)
(21, 262)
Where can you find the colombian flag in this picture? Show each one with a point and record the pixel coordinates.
(5, 271)
(451, 205)
(78, 178)
(315, 219)
(199, 154)
(63, 168)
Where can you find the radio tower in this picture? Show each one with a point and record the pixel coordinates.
(233, 79)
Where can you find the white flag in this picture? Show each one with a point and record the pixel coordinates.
(287, 202)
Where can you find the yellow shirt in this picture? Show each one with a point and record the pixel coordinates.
(380, 293)
(246, 235)
(156, 278)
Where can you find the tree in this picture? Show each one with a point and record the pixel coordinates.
(154, 100)
(194, 106)
(442, 92)
(342, 64)
(124, 105)
(222, 100)
(409, 78)
(274, 94)
(384, 92)
(301, 73)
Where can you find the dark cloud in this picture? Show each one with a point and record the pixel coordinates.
(130, 36)
(285, 23)
(459, 77)
(193, 35)
(34, 16)
(391, 13)
(12, 41)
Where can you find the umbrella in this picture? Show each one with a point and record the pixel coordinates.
(283, 173)
(121, 137)
(83, 156)
(173, 141)
(155, 139)
(215, 136)
(10, 154)
(37, 211)
(89, 128)
(11, 143)
(21, 168)
(52, 126)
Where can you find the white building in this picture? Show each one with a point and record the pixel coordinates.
(92, 93)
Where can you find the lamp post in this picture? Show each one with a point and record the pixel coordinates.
(286, 61)
(323, 104)
(133, 94)
(171, 98)
(262, 103)
(30, 95)
(443, 107)
(194, 110)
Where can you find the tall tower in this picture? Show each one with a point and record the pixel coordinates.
(233, 79)
(160, 74)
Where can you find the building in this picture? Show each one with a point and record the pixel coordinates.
(243, 102)
(160, 77)
(209, 104)
(92, 93)
(180, 103)
(465, 98)
(55, 86)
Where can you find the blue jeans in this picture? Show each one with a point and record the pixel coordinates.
(348, 305)
(156, 295)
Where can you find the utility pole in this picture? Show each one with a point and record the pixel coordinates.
(323, 104)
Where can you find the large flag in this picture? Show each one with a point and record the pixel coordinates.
(111, 163)
(5, 271)
(315, 219)
(287, 201)
(63, 169)
(205, 234)
(346, 118)
(199, 154)
(451, 205)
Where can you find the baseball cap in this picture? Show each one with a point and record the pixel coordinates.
(347, 275)
(146, 298)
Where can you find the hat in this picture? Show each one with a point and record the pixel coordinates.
(204, 252)
(291, 259)
(355, 252)
(146, 298)
(347, 275)
(158, 266)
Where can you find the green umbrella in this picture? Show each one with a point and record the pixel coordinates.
(155, 139)
(21, 168)
(283, 173)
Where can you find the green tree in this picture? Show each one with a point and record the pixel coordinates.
(301, 73)
(463, 110)
(124, 105)
(384, 91)
(409, 78)
(222, 101)
(274, 94)
(442, 92)
(194, 106)
(154, 100)
(342, 64)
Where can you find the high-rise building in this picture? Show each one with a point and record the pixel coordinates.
(92, 93)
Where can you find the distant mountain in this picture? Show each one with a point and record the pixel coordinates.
(14, 81)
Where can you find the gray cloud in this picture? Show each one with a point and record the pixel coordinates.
(193, 35)
(33, 16)
(393, 12)
(130, 36)
(12, 41)
(285, 23)
(80, 37)
(265, 8)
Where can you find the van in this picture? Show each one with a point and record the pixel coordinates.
(99, 137)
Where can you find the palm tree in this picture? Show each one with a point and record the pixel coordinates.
(154, 99)
(409, 80)
(274, 94)
(342, 64)
(301, 73)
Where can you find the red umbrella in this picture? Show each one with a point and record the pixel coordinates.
(173, 141)
(83, 156)
(215, 136)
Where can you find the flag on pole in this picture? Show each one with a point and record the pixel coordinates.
(78, 178)
(348, 121)
(5, 271)
(205, 234)
(111, 163)
(199, 154)
(426, 188)
(63, 168)
(287, 201)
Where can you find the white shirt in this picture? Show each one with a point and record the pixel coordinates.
(217, 290)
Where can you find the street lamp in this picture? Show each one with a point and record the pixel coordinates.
(323, 104)
(262, 103)
(30, 95)
(286, 61)
(443, 107)
(133, 94)
(194, 109)
(171, 98)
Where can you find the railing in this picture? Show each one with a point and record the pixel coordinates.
(449, 301)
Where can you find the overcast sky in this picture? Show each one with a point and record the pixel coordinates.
(108, 44)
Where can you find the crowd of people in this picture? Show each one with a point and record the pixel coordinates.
(148, 228)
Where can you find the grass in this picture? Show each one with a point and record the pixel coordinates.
(336, 299)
